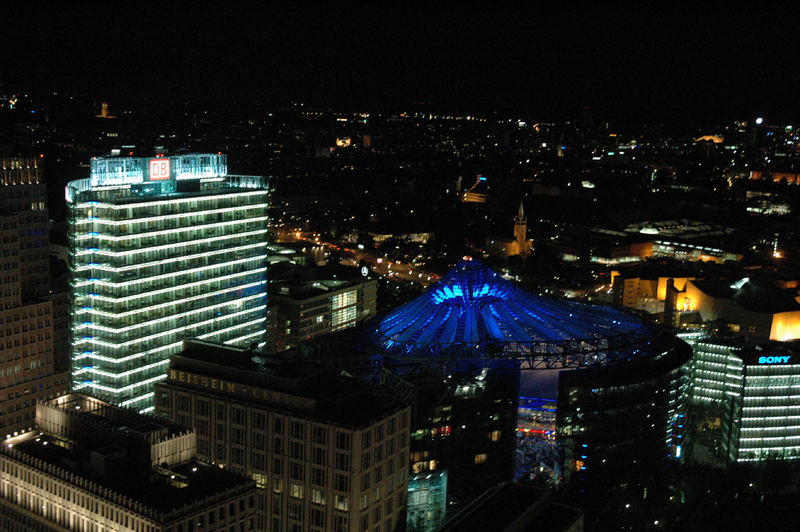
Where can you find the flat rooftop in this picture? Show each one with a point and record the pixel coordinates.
(160, 489)
(308, 387)
(113, 418)
(513, 507)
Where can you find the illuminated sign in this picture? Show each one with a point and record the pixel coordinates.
(159, 169)
(364, 271)
(774, 360)
(242, 390)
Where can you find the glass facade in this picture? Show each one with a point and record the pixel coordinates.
(613, 421)
(151, 269)
(753, 391)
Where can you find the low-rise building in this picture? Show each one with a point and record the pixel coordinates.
(95, 467)
(307, 309)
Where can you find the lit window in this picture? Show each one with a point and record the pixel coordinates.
(296, 490)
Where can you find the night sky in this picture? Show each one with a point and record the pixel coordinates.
(629, 64)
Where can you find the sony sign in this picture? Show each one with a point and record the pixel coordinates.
(774, 360)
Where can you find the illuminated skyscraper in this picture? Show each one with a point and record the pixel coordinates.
(161, 250)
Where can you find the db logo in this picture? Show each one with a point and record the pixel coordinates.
(159, 169)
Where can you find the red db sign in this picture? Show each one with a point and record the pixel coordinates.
(159, 169)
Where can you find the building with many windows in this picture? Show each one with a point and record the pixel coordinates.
(745, 396)
(29, 370)
(24, 194)
(327, 451)
(309, 309)
(95, 467)
(161, 250)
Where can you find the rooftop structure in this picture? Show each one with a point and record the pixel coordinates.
(749, 305)
(472, 312)
(515, 507)
(96, 466)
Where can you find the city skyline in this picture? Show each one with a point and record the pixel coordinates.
(386, 269)
(658, 65)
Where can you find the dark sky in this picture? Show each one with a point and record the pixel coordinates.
(623, 60)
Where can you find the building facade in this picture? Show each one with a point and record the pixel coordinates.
(616, 424)
(24, 193)
(28, 369)
(326, 451)
(745, 396)
(93, 467)
(308, 310)
(161, 250)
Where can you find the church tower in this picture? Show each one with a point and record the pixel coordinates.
(521, 231)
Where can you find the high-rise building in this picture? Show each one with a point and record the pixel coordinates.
(28, 371)
(328, 451)
(162, 250)
(25, 194)
(744, 397)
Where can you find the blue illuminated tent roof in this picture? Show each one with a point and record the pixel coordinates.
(474, 311)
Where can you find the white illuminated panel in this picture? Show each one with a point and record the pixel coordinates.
(117, 238)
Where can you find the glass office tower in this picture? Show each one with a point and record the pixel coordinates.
(162, 250)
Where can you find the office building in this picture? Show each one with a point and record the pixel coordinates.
(161, 250)
(617, 424)
(28, 369)
(95, 467)
(745, 395)
(427, 501)
(24, 193)
(327, 451)
(312, 308)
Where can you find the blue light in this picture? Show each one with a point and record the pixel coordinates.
(472, 306)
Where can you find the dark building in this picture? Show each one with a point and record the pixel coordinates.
(327, 451)
(515, 508)
(617, 423)
(464, 424)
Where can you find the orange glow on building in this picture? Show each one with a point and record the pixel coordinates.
(790, 177)
(716, 139)
(785, 326)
